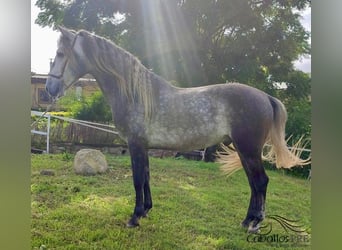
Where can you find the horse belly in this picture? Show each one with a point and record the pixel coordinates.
(195, 136)
(189, 119)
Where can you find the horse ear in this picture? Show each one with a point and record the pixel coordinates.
(66, 32)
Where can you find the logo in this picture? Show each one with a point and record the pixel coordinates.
(291, 232)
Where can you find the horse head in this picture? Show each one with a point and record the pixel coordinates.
(68, 65)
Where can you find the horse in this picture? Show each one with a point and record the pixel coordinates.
(149, 112)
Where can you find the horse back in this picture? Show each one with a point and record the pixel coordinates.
(193, 118)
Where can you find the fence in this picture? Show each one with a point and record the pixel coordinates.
(43, 133)
(57, 129)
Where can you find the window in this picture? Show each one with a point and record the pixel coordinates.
(78, 93)
(43, 96)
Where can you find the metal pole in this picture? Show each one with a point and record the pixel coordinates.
(48, 134)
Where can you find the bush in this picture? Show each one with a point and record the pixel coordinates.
(299, 118)
(89, 108)
(299, 125)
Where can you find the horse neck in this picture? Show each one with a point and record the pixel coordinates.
(110, 89)
(129, 72)
(123, 77)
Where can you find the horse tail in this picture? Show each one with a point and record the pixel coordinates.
(277, 152)
(229, 158)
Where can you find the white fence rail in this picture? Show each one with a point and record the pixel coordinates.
(48, 116)
(43, 133)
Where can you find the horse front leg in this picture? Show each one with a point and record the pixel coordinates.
(140, 166)
(147, 191)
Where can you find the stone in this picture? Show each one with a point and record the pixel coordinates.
(48, 172)
(90, 162)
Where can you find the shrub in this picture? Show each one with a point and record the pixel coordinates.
(89, 108)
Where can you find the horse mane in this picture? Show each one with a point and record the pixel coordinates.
(133, 78)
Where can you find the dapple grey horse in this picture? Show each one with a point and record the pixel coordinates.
(149, 112)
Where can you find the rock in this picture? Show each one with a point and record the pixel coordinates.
(47, 172)
(90, 162)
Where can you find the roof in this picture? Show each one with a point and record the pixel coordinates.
(41, 78)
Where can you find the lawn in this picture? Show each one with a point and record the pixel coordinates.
(195, 207)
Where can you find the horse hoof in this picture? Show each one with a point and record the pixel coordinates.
(253, 229)
(132, 223)
(244, 224)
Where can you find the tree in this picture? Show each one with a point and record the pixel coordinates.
(195, 42)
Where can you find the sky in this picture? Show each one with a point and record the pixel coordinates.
(44, 44)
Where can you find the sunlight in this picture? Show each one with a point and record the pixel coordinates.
(165, 40)
(95, 202)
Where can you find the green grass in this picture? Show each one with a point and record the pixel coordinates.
(195, 206)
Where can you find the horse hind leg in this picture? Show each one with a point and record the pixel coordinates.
(252, 163)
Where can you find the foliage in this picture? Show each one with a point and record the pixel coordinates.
(195, 42)
(297, 99)
(299, 124)
(61, 113)
(195, 206)
(88, 108)
(299, 118)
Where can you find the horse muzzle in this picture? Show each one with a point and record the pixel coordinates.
(54, 86)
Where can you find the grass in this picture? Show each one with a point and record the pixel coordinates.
(195, 206)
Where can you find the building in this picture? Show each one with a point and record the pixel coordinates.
(40, 98)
